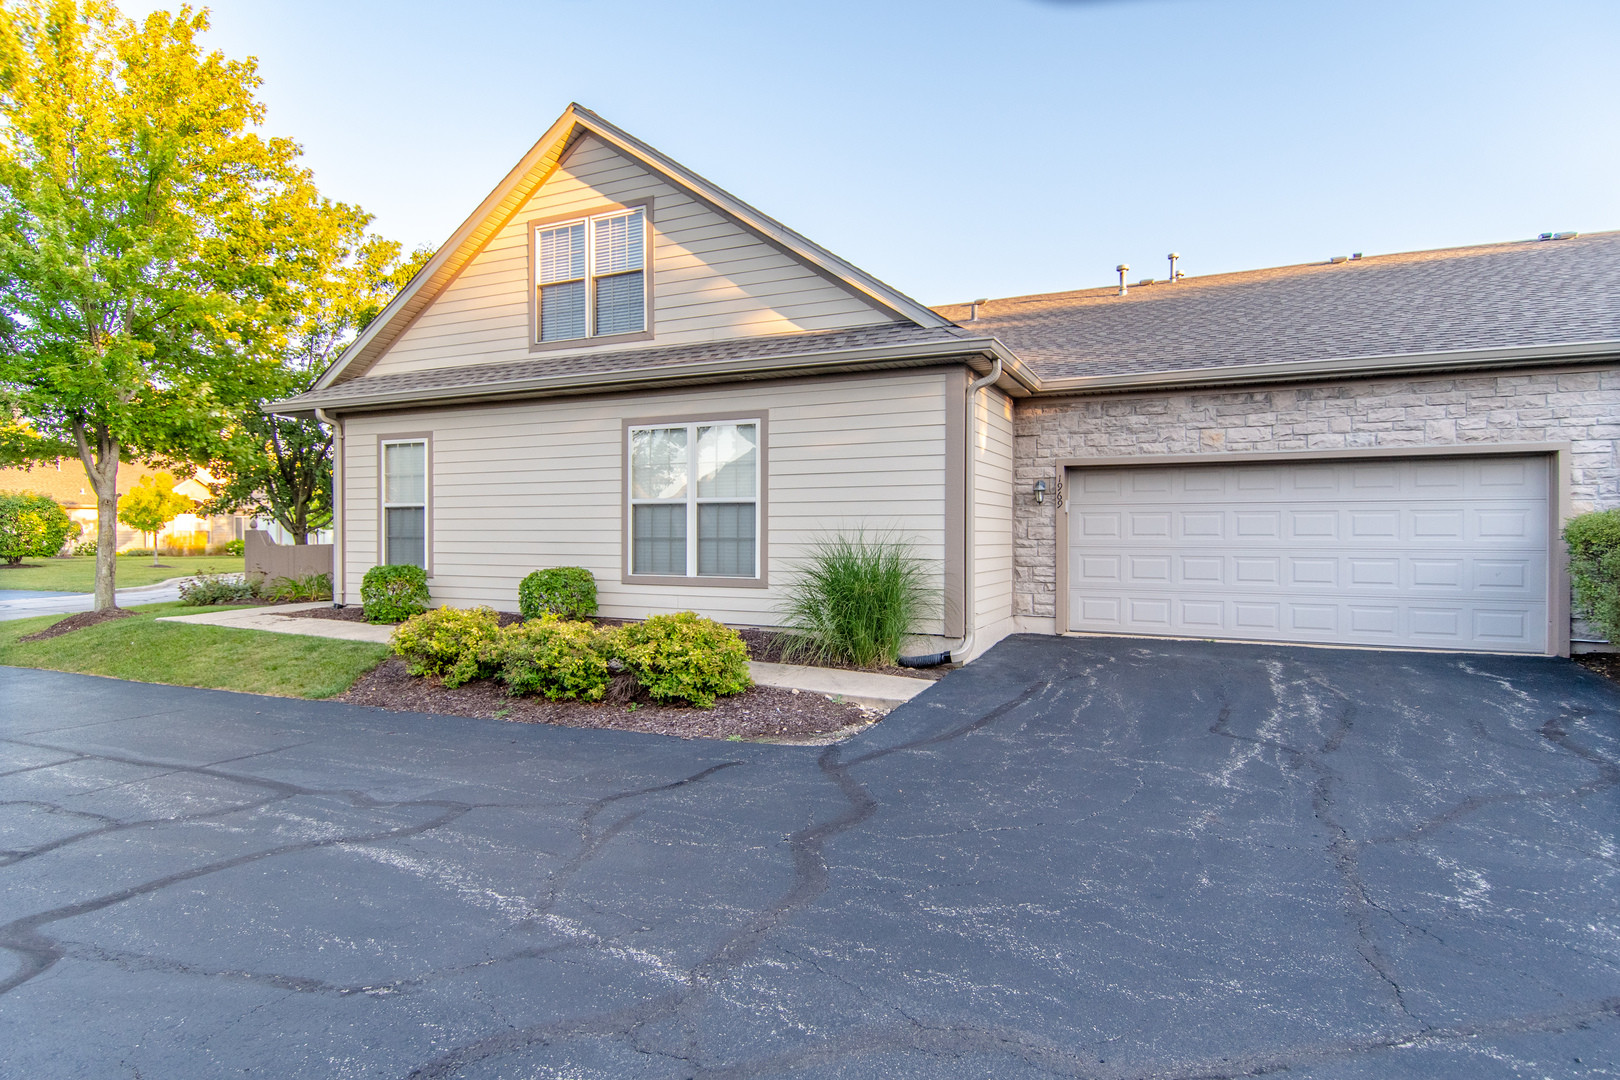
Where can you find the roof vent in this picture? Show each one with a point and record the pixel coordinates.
(1355, 256)
(1175, 275)
(1558, 236)
(973, 308)
(1337, 259)
(1122, 269)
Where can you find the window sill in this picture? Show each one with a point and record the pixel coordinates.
(591, 342)
(701, 581)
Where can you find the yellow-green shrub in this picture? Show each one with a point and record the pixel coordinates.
(450, 642)
(554, 657)
(683, 658)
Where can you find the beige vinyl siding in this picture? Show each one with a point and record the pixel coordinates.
(711, 278)
(518, 487)
(993, 496)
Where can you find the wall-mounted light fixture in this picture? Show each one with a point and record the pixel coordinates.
(1040, 491)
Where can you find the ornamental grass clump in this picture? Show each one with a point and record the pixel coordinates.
(453, 644)
(390, 594)
(555, 658)
(1594, 569)
(303, 589)
(855, 600)
(683, 659)
(569, 591)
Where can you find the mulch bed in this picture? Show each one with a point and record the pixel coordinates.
(1606, 664)
(761, 713)
(77, 622)
(762, 644)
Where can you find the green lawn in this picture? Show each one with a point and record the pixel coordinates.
(141, 649)
(78, 573)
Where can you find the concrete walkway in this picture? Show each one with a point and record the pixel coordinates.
(275, 621)
(866, 689)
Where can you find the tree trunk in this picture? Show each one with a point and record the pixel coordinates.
(101, 466)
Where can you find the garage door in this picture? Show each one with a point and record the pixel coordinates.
(1447, 553)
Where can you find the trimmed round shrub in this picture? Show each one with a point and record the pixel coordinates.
(569, 591)
(31, 526)
(233, 547)
(683, 658)
(454, 644)
(555, 658)
(394, 593)
(1594, 568)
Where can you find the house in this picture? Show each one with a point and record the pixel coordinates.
(615, 364)
(65, 481)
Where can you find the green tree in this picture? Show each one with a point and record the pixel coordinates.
(279, 467)
(31, 525)
(152, 244)
(151, 504)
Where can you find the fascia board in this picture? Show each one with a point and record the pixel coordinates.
(1315, 370)
(873, 357)
(453, 249)
(780, 234)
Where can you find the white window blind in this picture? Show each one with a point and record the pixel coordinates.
(699, 482)
(405, 503)
(595, 266)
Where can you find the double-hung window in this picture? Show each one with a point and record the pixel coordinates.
(694, 499)
(590, 276)
(405, 502)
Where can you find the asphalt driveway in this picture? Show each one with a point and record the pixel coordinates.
(1091, 858)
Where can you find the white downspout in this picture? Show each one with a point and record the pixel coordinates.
(959, 652)
(339, 563)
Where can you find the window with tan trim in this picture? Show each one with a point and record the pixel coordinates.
(590, 277)
(694, 499)
(404, 504)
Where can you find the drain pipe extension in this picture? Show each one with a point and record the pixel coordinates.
(338, 563)
(962, 648)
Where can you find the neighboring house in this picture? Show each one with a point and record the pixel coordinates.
(614, 364)
(66, 481)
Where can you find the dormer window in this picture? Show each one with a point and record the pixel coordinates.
(590, 277)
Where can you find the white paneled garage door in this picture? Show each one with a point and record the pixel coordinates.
(1446, 553)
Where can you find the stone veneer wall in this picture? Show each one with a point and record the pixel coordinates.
(1581, 407)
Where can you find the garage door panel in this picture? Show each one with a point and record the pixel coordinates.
(1444, 554)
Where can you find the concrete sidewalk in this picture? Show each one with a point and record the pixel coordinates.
(59, 603)
(863, 688)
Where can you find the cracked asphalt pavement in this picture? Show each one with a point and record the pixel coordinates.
(1097, 858)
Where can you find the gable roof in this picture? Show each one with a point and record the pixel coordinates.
(1512, 299)
(527, 177)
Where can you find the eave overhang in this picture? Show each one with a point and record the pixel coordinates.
(976, 353)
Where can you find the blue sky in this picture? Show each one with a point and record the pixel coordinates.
(985, 149)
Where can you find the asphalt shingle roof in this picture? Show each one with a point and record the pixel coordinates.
(1492, 296)
(551, 366)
